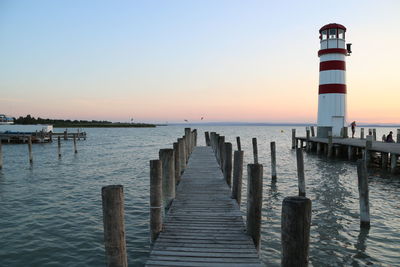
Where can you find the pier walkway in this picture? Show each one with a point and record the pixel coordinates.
(204, 226)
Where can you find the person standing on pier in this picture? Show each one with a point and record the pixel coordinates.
(389, 138)
(353, 128)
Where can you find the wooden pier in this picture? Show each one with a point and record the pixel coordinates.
(204, 226)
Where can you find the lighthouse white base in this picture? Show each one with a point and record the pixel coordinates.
(331, 115)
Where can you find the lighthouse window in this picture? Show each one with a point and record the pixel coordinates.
(341, 34)
(324, 35)
(332, 33)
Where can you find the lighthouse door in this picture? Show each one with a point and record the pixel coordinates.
(337, 125)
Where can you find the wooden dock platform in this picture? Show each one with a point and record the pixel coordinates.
(204, 225)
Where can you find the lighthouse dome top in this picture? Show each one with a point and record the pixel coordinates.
(332, 26)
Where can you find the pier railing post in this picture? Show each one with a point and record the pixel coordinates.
(239, 145)
(185, 146)
(312, 131)
(221, 144)
(273, 160)
(188, 141)
(293, 138)
(114, 225)
(194, 138)
(308, 139)
(254, 202)
(168, 174)
(228, 163)
(364, 195)
(1, 155)
(362, 133)
(30, 149)
(182, 156)
(374, 133)
(177, 163)
(156, 197)
(207, 136)
(212, 140)
(237, 176)
(398, 136)
(300, 172)
(255, 150)
(295, 229)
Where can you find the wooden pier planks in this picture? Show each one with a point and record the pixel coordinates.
(204, 226)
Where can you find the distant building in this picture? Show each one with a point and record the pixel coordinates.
(6, 120)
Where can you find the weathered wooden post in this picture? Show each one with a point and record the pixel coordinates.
(228, 163)
(398, 136)
(221, 146)
(187, 140)
(182, 156)
(1, 155)
(369, 131)
(337, 151)
(363, 191)
(384, 159)
(239, 145)
(75, 149)
(362, 133)
(273, 160)
(254, 202)
(59, 146)
(207, 136)
(312, 131)
(294, 138)
(350, 152)
(300, 172)
(177, 163)
(368, 146)
(393, 162)
(330, 145)
(255, 150)
(65, 135)
(374, 133)
(185, 146)
(319, 148)
(295, 229)
(114, 225)
(30, 149)
(237, 176)
(308, 139)
(195, 138)
(168, 175)
(156, 198)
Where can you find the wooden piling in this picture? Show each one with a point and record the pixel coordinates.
(273, 160)
(393, 163)
(207, 136)
(187, 140)
(30, 149)
(239, 145)
(254, 202)
(350, 153)
(228, 163)
(237, 176)
(308, 139)
(75, 149)
(319, 148)
(295, 231)
(182, 156)
(221, 146)
(59, 146)
(363, 191)
(294, 139)
(337, 151)
(185, 146)
(65, 135)
(177, 163)
(255, 150)
(312, 131)
(1, 156)
(384, 159)
(114, 225)
(156, 197)
(368, 146)
(168, 175)
(362, 133)
(374, 134)
(300, 172)
(330, 145)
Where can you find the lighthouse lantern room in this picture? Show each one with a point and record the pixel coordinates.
(332, 80)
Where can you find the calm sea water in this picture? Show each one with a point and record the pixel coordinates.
(51, 214)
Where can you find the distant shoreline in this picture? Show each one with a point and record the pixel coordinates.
(108, 125)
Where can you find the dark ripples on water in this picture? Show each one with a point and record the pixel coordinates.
(51, 212)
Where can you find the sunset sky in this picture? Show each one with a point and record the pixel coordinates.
(157, 61)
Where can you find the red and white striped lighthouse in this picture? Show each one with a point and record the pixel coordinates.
(332, 80)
